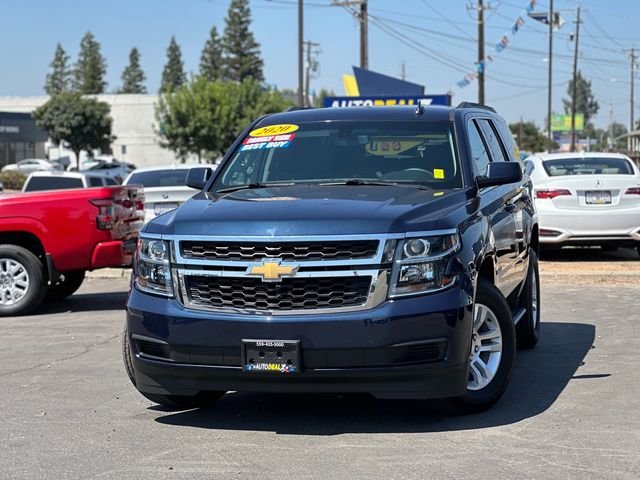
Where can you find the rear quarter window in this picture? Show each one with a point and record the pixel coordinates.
(37, 184)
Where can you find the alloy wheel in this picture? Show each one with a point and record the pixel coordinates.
(486, 348)
(14, 281)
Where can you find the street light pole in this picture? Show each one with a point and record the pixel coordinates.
(574, 91)
(480, 52)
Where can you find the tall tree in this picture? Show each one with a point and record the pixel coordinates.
(240, 51)
(133, 77)
(173, 75)
(59, 80)
(586, 103)
(84, 123)
(90, 67)
(530, 138)
(211, 58)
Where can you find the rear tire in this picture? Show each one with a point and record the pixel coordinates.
(173, 402)
(72, 282)
(22, 282)
(528, 328)
(479, 396)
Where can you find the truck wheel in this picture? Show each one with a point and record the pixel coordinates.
(492, 353)
(68, 286)
(528, 328)
(22, 284)
(174, 402)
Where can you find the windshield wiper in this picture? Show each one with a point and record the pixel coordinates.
(250, 186)
(357, 181)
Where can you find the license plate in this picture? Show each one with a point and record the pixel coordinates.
(271, 356)
(598, 198)
(160, 208)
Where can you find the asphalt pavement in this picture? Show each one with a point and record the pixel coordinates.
(572, 409)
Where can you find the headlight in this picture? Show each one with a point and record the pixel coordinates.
(420, 264)
(152, 270)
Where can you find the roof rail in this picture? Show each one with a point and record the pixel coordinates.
(475, 105)
(295, 108)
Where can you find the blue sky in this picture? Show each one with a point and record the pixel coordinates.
(443, 33)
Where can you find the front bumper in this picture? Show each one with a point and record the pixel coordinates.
(410, 348)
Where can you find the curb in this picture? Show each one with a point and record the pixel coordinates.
(110, 273)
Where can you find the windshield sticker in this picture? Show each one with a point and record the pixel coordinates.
(268, 142)
(273, 130)
(438, 173)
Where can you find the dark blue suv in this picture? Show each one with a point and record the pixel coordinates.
(389, 250)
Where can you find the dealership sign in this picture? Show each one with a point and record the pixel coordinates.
(562, 123)
(381, 101)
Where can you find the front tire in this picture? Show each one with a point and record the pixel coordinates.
(22, 283)
(528, 328)
(173, 402)
(72, 282)
(492, 353)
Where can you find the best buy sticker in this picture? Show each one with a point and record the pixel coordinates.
(269, 138)
(273, 130)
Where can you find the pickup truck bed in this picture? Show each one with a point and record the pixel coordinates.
(63, 233)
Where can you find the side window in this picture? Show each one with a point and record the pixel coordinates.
(493, 141)
(478, 150)
(110, 181)
(509, 141)
(95, 182)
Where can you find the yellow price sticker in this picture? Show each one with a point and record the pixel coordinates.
(273, 130)
(438, 173)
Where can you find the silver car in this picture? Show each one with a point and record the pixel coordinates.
(586, 199)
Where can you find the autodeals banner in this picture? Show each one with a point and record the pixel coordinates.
(382, 101)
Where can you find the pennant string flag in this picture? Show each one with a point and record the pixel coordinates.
(499, 47)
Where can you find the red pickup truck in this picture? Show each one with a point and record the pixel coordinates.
(48, 240)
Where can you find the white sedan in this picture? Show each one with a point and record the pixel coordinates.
(586, 199)
(164, 187)
(30, 165)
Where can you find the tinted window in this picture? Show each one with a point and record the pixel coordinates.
(478, 150)
(493, 142)
(587, 166)
(160, 178)
(412, 153)
(52, 183)
(95, 181)
(110, 181)
(509, 141)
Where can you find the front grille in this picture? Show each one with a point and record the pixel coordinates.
(254, 251)
(290, 294)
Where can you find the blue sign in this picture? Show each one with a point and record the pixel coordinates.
(387, 100)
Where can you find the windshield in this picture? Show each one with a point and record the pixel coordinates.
(587, 166)
(411, 153)
(160, 178)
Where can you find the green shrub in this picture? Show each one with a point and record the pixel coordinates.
(12, 180)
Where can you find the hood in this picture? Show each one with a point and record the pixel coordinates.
(311, 210)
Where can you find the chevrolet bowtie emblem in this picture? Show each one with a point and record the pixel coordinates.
(272, 271)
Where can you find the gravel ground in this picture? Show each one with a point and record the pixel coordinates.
(571, 411)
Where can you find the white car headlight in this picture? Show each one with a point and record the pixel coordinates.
(152, 269)
(420, 264)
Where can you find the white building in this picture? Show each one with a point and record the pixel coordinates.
(134, 125)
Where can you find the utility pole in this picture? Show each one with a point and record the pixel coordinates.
(632, 99)
(300, 53)
(308, 66)
(575, 84)
(481, 52)
(549, 88)
(363, 18)
(403, 73)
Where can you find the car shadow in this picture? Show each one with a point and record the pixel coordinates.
(539, 377)
(85, 302)
(588, 254)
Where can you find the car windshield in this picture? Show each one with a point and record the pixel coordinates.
(587, 166)
(406, 153)
(160, 178)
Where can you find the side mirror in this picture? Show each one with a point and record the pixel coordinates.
(500, 173)
(198, 177)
